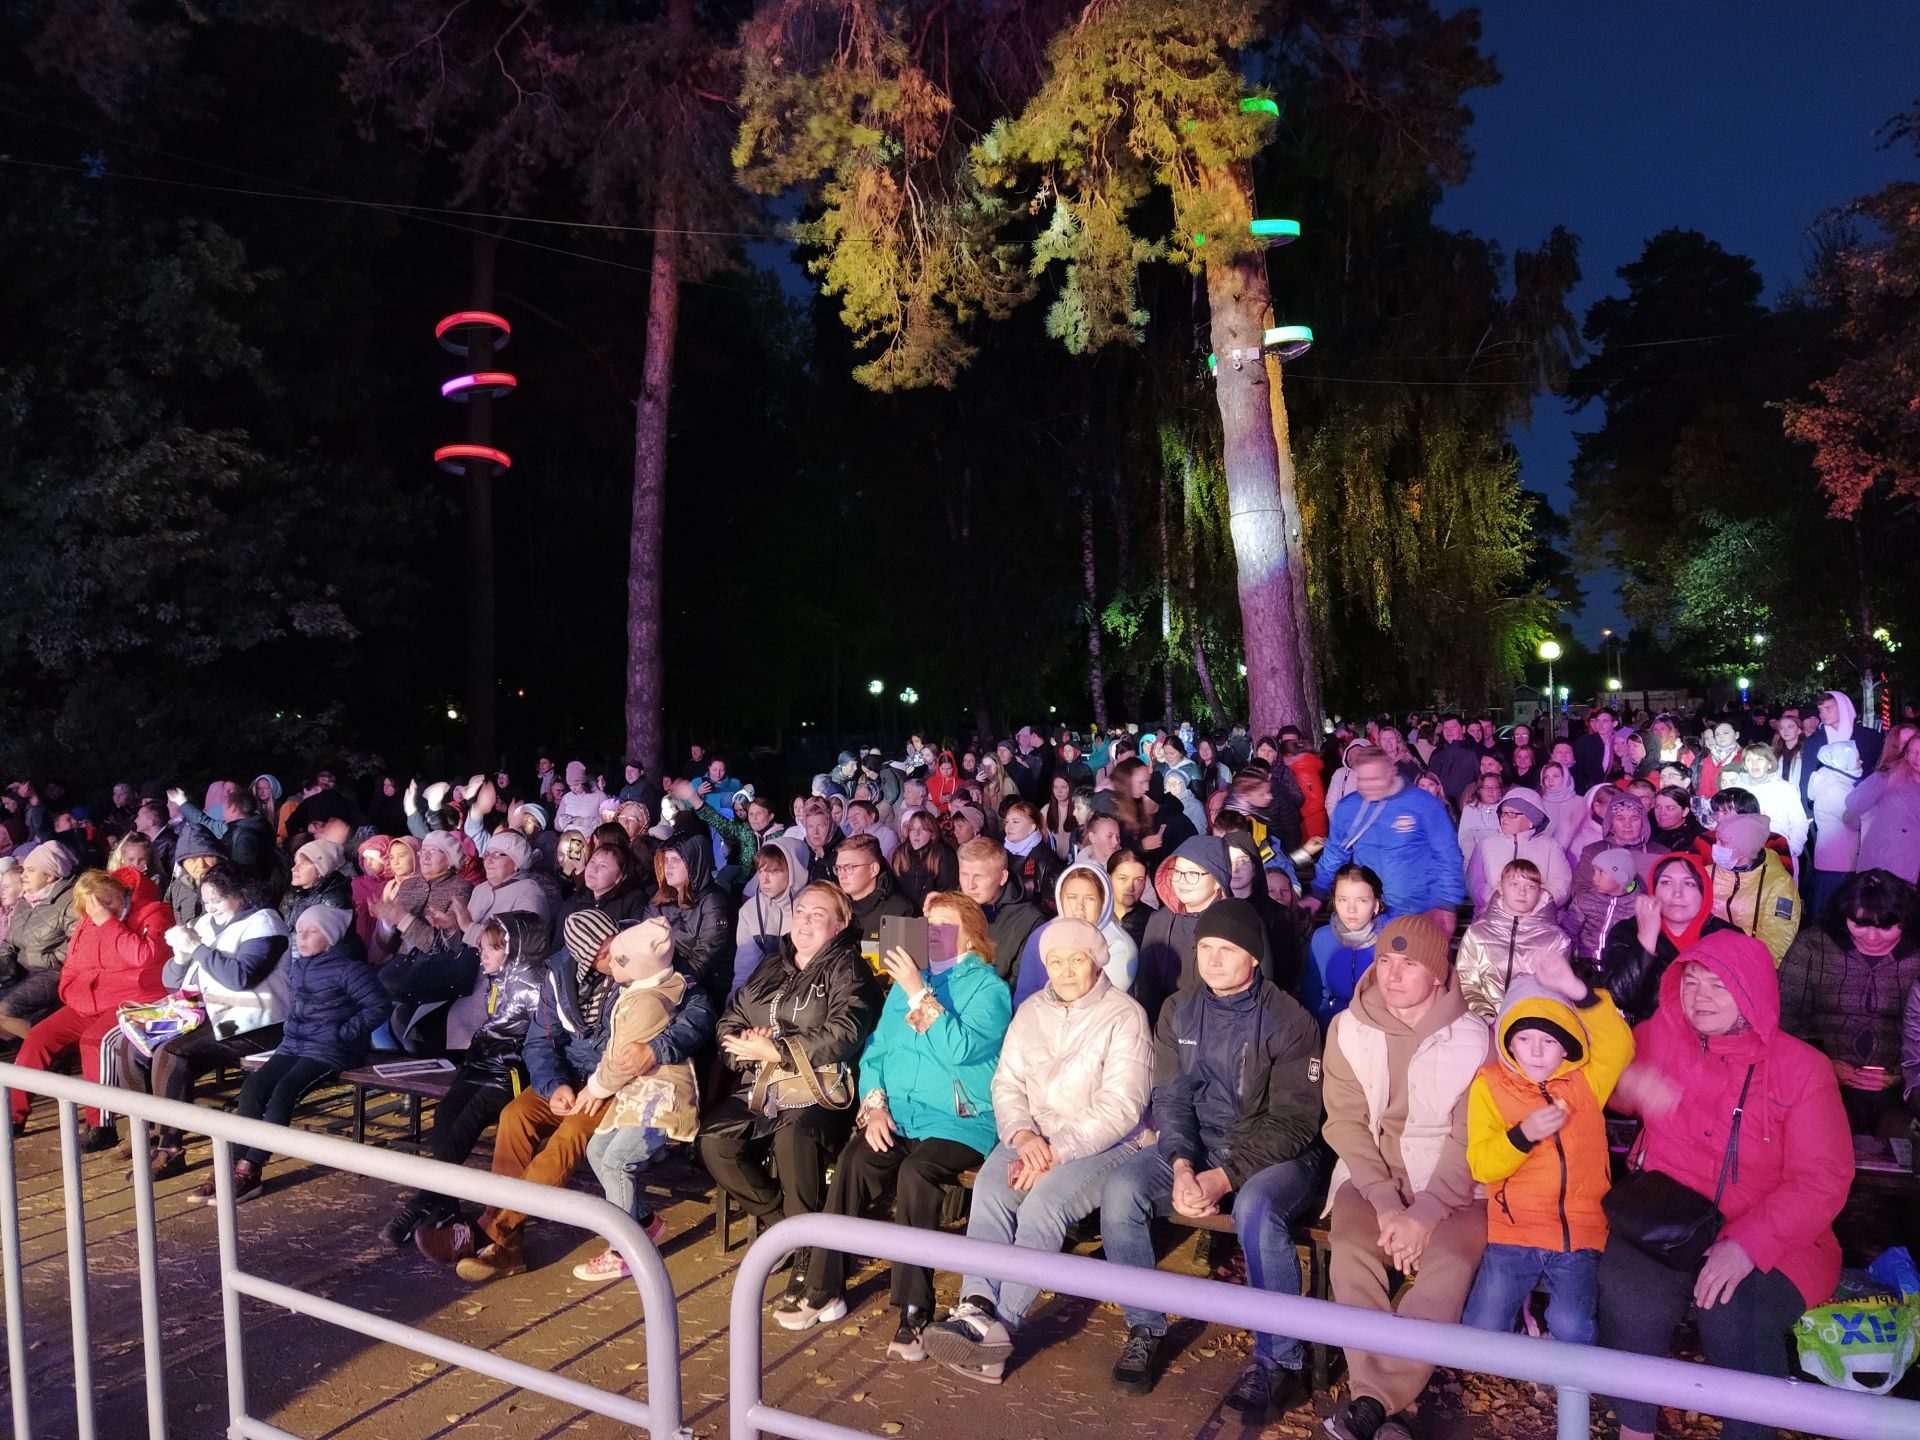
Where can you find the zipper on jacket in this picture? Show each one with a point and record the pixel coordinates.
(1566, 1231)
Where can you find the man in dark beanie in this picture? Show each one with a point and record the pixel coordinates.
(1236, 1096)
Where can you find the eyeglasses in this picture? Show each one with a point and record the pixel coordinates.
(1189, 876)
(855, 867)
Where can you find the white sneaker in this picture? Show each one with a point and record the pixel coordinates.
(969, 1339)
(804, 1316)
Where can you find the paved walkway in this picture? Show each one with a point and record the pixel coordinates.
(318, 1230)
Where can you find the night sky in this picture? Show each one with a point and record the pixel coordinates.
(1743, 121)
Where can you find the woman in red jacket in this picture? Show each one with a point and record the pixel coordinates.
(115, 959)
(1716, 1035)
(1308, 774)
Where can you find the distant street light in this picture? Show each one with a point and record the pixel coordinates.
(1612, 683)
(909, 696)
(876, 687)
(1550, 651)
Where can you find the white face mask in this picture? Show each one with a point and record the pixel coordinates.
(1724, 857)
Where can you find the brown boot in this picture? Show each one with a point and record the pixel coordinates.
(491, 1262)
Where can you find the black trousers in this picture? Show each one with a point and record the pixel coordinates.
(470, 1108)
(802, 1145)
(275, 1090)
(918, 1172)
(1642, 1301)
(175, 1064)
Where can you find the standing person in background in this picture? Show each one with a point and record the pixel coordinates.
(1597, 757)
(1839, 725)
(1401, 833)
(1885, 808)
(1456, 759)
(1306, 769)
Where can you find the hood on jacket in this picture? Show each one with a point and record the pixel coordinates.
(1848, 715)
(1209, 852)
(1448, 1006)
(1562, 792)
(1685, 938)
(274, 788)
(1528, 999)
(141, 890)
(529, 938)
(794, 847)
(1529, 803)
(694, 845)
(1745, 964)
(1081, 867)
(1620, 802)
(195, 841)
(1244, 842)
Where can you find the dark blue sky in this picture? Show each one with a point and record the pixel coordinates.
(1622, 118)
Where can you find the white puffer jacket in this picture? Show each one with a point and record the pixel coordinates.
(1078, 1075)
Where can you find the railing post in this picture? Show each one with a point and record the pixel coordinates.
(10, 1265)
(1575, 1421)
(75, 1204)
(149, 1281)
(229, 1296)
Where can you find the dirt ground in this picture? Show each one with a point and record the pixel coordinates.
(317, 1230)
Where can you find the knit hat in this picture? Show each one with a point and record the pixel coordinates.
(576, 773)
(512, 846)
(328, 920)
(1619, 864)
(1575, 1050)
(974, 814)
(1841, 755)
(49, 857)
(1235, 921)
(1527, 802)
(517, 813)
(630, 943)
(1745, 832)
(585, 931)
(323, 855)
(445, 844)
(1415, 938)
(1068, 935)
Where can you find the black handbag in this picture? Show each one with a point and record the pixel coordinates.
(1666, 1220)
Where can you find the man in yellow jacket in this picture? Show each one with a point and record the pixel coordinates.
(1753, 889)
(1537, 1139)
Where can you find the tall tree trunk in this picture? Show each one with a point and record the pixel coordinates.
(483, 688)
(645, 694)
(1206, 681)
(1166, 614)
(1095, 676)
(1293, 517)
(1869, 681)
(1237, 297)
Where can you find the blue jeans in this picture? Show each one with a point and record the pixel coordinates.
(1507, 1276)
(1264, 1211)
(1036, 1219)
(619, 1157)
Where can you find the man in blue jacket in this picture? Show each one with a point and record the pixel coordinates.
(1236, 1098)
(543, 1133)
(1401, 833)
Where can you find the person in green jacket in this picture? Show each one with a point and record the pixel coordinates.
(926, 1109)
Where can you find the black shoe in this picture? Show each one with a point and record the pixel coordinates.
(906, 1343)
(1133, 1372)
(96, 1138)
(1359, 1419)
(399, 1230)
(795, 1295)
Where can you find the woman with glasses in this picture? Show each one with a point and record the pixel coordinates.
(925, 1111)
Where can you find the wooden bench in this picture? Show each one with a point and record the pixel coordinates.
(365, 1081)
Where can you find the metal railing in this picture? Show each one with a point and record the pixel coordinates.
(659, 1415)
(1576, 1372)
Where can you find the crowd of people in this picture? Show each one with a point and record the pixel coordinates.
(1396, 977)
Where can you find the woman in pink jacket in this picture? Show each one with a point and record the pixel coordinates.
(1719, 1024)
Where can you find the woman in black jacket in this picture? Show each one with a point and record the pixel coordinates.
(513, 954)
(696, 910)
(611, 884)
(1674, 913)
(813, 1002)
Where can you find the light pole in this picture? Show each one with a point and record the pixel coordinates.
(1550, 651)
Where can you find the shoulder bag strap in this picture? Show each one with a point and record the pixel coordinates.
(1731, 1162)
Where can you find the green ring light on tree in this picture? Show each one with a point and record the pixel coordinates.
(1288, 342)
(1260, 105)
(1274, 232)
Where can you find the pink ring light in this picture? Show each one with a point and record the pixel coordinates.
(459, 459)
(450, 331)
(495, 383)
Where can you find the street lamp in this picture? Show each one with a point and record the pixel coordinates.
(909, 696)
(876, 687)
(1613, 683)
(1550, 651)
(1743, 682)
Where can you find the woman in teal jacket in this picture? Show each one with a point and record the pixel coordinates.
(926, 1111)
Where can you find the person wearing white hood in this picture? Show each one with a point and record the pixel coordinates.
(1566, 808)
(1839, 725)
(508, 886)
(1082, 893)
(766, 909)
(580, 808)
(1836, 848)
(1524, 834)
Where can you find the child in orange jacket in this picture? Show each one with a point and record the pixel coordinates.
(1537, 1139)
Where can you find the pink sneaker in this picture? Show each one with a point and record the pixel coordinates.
(607, 1265)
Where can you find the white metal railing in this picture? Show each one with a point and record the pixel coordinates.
(658, 1415)
(1576, 1372)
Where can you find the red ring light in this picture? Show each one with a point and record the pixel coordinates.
(459, 459)
(495, 383)
(447, 332)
